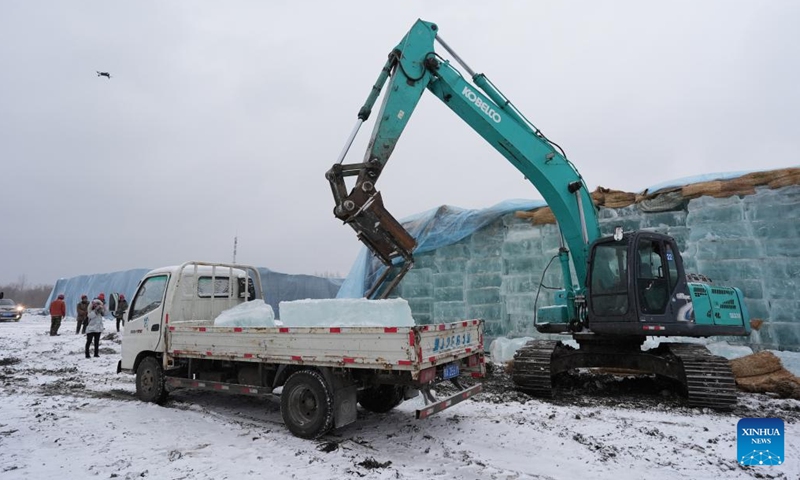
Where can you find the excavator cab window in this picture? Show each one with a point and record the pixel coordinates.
(609, 273)
(672, 266)
(653, 281)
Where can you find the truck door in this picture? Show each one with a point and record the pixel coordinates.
(144, 328)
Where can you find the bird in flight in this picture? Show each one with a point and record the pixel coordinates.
(104, 74)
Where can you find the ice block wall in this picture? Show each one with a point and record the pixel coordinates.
(750, 242)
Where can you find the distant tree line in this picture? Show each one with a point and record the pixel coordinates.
(33, 296)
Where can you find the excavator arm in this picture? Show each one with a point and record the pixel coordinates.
(413, 67)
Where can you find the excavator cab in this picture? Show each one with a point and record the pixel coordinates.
(637, 286)
(635, 279)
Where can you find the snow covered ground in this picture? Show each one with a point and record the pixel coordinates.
(65, 416)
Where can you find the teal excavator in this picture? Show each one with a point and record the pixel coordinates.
(626, 287)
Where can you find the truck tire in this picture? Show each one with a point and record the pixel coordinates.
(307, 404)
(381, 399)
(150, 385)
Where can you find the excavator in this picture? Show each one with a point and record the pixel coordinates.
(626, 287)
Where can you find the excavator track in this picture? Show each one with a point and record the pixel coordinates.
(709, 380)
(531, 372)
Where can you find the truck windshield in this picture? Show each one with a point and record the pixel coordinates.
(149, 296)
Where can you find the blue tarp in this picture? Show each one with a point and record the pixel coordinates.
(432, 229)
(124, 282)
(284, 287)
(277, 286)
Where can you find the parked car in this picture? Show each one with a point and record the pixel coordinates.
(10, 310)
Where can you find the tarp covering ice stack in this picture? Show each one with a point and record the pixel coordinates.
(740, 229)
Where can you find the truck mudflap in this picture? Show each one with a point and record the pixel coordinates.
(441, 405)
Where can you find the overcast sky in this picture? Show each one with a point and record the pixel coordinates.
(221, 118)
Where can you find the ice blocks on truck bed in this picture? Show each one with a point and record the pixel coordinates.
(346, 312)
(255, 313)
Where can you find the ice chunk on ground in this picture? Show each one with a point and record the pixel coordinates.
(790, 360)
(348, 312)
(653, 342)
(255, 313)
(724, 349)
(502, 349)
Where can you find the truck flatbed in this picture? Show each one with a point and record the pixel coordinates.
(389, 348)
(171, 342)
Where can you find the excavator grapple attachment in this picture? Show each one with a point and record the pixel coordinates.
(380, 231)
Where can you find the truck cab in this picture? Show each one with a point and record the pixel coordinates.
(175, 294)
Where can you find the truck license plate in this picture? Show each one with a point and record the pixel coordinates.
(450, 371)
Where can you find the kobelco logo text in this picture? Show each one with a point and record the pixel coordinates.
(485, 107)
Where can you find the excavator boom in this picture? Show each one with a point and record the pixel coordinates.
(414, 67)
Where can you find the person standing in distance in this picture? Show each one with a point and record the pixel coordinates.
(95, 327)
(119, 314)
(83, 314)
(58, 310)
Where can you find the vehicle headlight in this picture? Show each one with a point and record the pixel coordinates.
(20, 308)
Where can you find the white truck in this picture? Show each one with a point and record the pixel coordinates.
(170, 342)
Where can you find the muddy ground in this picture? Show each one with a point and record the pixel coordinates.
(596, 423)
(588, 389)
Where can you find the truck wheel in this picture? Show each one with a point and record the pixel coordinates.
(307, 404)
(381, 399)
(150, 381)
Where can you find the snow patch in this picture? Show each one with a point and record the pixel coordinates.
(67, 416)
